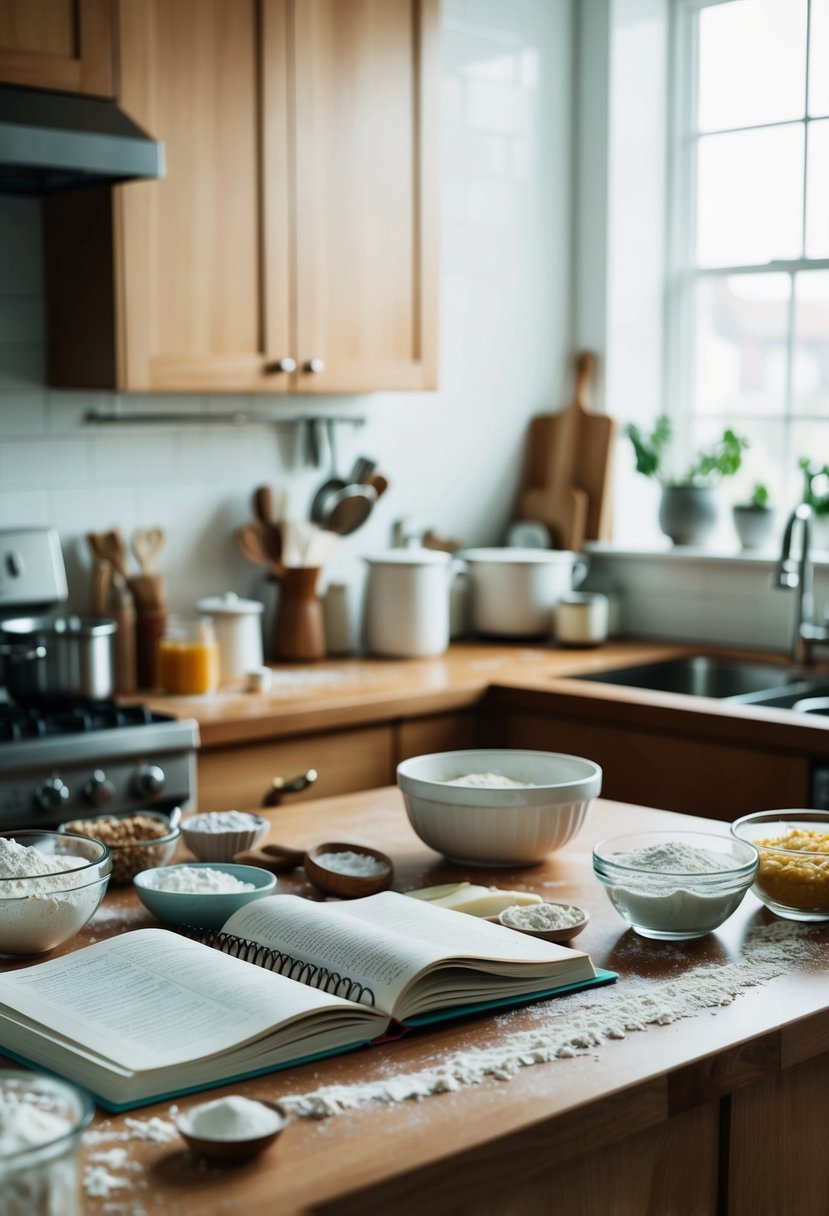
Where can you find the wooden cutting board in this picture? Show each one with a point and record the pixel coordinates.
(567, 469)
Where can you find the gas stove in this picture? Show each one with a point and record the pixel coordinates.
(70, 757)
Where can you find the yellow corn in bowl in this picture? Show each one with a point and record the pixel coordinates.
(793, 875)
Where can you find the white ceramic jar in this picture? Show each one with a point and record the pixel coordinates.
(406, 606)
(238, 626)
(514, 591)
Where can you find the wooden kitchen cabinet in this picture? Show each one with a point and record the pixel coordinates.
(675, 770)
(298, 221)
(345, 761)
(67, 45)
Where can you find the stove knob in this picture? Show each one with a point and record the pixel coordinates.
(51, 794)
(149, 781)
(98, 789)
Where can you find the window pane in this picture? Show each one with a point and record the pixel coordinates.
(811, 359)
(819, 58)
(740, 356)
(752, 63)
(749, 197)
(817, 191)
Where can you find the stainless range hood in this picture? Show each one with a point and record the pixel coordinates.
(57, 141)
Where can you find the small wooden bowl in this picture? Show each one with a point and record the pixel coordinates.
(549, 935)
(347, 886)
(231, 1150)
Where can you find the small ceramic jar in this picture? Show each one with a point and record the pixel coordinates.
(238, 625)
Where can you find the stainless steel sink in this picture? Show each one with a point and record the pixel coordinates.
(700, 676)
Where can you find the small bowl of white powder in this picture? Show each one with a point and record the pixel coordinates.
(199, 894)
(219, 835)
(675, 885)
(50, 885)
(548, 921)
(232, 1128)
(498, 806)
(348, 871)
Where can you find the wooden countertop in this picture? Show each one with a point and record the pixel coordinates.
(448, 1152)
(350, 692)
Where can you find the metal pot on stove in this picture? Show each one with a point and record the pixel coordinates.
(46, 656)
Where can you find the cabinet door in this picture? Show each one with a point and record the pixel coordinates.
(366, 81)
(58, 44)
(189, 282)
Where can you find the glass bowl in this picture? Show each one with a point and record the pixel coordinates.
(42, 1120)
(673, 886)
(138, 840)
(40, 912)
(793, 875)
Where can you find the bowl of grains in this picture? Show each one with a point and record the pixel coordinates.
(673, 886)
(201, 895)
(136, 841)
(50, 885)
(793, 874)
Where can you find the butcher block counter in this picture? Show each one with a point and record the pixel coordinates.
(723, 1109)
(354, 720)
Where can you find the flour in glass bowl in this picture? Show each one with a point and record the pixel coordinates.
(42, 903)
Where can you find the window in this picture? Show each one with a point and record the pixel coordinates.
(748, 298)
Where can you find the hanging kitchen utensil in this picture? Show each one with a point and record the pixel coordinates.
(349, 508)
(379, 482)
(147, 543)
(567, 471)
(332, 484)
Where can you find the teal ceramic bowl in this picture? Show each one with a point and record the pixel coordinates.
(200, 910)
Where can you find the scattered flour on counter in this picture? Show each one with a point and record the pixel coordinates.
(99, 1183)
(568, 1026)
(160, 1131)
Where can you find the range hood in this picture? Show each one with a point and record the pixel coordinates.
(58, 141)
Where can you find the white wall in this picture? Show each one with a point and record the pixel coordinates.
(453, 457)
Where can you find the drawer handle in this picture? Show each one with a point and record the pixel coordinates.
(280, 786)
(281, 365)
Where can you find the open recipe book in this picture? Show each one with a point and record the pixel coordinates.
(151, 1014)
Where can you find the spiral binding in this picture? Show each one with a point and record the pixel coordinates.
(283, 964)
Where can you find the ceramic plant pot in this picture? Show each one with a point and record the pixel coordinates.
(688, 514)
(755, 525)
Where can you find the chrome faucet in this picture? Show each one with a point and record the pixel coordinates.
(797, 573)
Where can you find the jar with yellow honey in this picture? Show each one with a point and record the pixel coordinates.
(189, 656)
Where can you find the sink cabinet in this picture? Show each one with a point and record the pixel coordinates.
(66, 45)
(293, 245)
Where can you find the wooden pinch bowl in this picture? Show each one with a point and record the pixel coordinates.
(231, 1150)
(548, 935)
(348, 886)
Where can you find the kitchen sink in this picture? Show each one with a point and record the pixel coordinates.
(726, 680)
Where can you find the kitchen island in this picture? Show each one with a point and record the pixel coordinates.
(354, 720)
(722, 1110)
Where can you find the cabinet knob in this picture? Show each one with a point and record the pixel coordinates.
(281, 365)
(315, 366)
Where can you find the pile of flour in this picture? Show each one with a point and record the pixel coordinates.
(569, 1026)
(200, 880)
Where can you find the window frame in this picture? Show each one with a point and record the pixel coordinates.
(682, 274)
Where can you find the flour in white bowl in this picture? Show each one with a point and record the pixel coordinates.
(222, 821)
(490, 781)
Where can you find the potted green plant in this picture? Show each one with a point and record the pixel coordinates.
(688, 507)
(754, 518)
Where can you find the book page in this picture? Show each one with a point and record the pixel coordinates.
(385, 941)
(151, 999)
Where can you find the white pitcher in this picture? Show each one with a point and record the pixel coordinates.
(406, 607)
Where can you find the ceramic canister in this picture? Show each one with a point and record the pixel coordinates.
(238, 626)
(406, 608)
